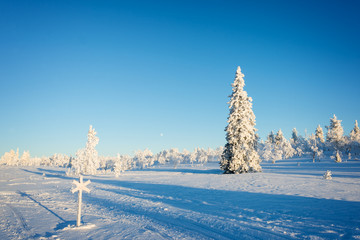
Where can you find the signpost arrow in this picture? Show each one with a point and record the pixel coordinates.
(80, 186)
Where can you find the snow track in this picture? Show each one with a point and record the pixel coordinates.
(194, 224)
(165, 203)
(19, 217)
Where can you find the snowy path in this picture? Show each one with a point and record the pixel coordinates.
(286, 201)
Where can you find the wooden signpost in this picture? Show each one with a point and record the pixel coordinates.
(80, 186)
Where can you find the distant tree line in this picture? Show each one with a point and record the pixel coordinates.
(277, 147)
(87, 160)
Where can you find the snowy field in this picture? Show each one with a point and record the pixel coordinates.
(288, 200)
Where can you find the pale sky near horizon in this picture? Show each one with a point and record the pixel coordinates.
(157, 74)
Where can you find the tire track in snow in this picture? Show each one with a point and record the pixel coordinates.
(19, 217)
(181, 223)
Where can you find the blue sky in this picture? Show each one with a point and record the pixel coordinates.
(157, 74)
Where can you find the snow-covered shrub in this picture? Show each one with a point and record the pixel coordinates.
(327, 175)
(338, 157)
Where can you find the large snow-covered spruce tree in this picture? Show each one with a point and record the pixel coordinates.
(240, 155)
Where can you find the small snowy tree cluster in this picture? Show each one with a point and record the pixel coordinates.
(10, 158)
(276, 147)
(240, 155)
(143, 159)
(121, 164)
(13, 158)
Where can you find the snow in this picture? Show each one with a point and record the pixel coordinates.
(288, 200)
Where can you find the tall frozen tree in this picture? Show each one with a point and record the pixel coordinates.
(335, 133)
(239, 154)
(87, 160)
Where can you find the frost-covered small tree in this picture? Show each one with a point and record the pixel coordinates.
(193, 156)
(121, 164)
(174, 157)
(87, 161)
(278, 151)
(338, 157)
(319, 134)
(60, 160)
(240, 155)
(160, 158)
(25, 159)
(185, 156)
(298, 143)
(267, 151)
(354, 141)
(294, 135)
(314, 147)
(355, 133)
(282, 147)
(202, 156)
(327, 175)
(335, 133)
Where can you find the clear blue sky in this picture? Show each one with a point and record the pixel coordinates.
(137, 70)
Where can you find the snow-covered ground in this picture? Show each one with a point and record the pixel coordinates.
(288, 200)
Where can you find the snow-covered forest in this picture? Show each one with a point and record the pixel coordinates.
(316, 146)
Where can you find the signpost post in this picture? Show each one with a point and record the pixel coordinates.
(80, 186)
